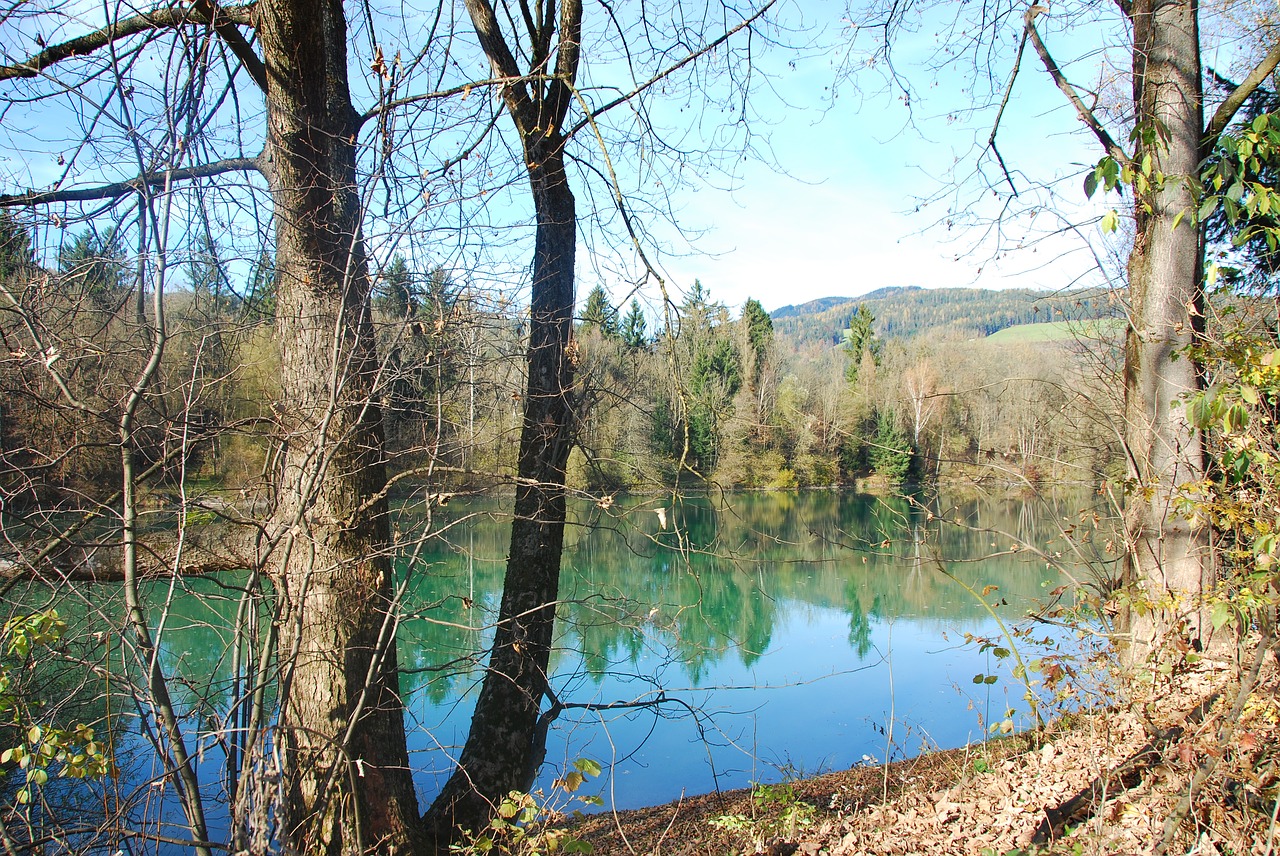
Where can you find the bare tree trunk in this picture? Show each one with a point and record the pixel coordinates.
(347, 786)
(505, 746)
(1168, 561)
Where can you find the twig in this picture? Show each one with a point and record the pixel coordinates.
(1085, 114)
(1174, 821)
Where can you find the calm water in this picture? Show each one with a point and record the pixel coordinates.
(756, 635)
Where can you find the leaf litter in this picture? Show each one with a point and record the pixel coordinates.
(1099, 782)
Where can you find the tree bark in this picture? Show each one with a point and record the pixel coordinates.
(1168, 565)
(346, 785)
(505, 746)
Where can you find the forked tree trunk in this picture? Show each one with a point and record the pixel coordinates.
(505, 747)
(347, 787)
(1168, 565)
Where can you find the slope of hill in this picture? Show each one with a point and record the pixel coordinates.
(960, 312)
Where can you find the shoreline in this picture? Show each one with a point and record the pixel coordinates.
(1102, 781)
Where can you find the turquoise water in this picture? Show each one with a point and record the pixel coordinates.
(757, 636)
(751, 638)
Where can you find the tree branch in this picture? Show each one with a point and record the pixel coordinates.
(461, 89)
(667, 72)
(1085, 114)
(559, 93)
(133, 185)
(504, 63)
(1004, 102)
(158, 19)
(1227, 109)
(224, 25)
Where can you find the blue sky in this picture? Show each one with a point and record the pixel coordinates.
(837, 210)
(843, 216)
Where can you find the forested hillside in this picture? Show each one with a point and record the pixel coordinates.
(964, 313)
(721, 397)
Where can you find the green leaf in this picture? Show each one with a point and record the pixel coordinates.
(990, 679)
(1220, 614)
(1199, 411)
(1110, 221)
(979, 678)
(1236, 418)
(587, 767)
(1090, 184)
(1265, 544)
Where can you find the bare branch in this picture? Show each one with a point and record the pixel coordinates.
(224, 24)
(133, 185)
(1004, 102)
(504, 63)
(667, 72)
(461, 89)
(158, 19)
(1086, 115)
(1227, 109)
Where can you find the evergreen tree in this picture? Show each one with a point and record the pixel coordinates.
(207, 276)
(397, 298)
(15, 246)
(890, 449)
(760, 334)
(859, 339)
(633, 329)
(95, 266)
(599, 313)
(260, 301)
(715, 378)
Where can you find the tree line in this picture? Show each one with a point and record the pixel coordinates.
(718, 398)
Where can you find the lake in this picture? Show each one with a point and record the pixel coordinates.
(704, 643)
(755, 636)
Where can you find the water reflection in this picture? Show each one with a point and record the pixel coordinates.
(755, 626)
(708, 646)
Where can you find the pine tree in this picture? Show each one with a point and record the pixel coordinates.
(15, 246)
(890, 451)
(634, 332)
(599, 313)
(859, 339)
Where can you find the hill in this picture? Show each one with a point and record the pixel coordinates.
(1060, 331)
(966, 313)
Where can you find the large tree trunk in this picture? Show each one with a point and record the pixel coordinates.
(1168, 564)
(347, 787)
(505, 746)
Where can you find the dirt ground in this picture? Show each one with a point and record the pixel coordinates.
(1187, 745)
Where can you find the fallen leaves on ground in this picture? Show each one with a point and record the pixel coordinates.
(993, 798)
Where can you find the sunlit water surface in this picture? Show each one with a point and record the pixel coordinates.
(751, 638)
(758, 636)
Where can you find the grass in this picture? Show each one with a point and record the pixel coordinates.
(1057, 331)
